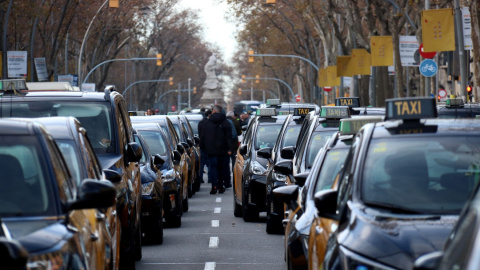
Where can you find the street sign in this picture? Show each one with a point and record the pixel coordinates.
(408, 45)
(442, 93)
(428, 68)
(327, 88)
(88, 87)
(17, 64)
(41, 67)
(297, 98)
(428, 55)
(467, 29)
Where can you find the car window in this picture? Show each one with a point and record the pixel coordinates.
(266, 136)
(317, 141)
(122, 129)
(72, 157)
(143, 159)
(436, 174)
(155, 142)
(62, 176)
(332, 163)
(291, 135)
(194, 125)
(94, 168)
(26, 188)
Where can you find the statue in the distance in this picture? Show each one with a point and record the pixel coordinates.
(212, 85)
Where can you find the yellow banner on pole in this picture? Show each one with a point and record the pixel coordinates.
(344, 67)
(322, 77)
(438, 30)
(382, 51)
(361, 62)
(113, 3)
(332, 79)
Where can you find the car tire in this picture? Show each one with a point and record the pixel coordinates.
(174, 221)
(138, 243)
(249, 213)
(157, 231)
(273, 225)
(185, 205)
(237, 208)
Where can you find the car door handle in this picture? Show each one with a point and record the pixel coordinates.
(100, 216)
(94, 236)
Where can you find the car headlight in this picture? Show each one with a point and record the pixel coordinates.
(279, 177)
(168, 175)
(257, 168)
(147, 188)
(53, 260)
(354, 261)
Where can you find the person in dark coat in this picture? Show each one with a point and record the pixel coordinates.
(203, 154)
(238, 131)
(215, 138)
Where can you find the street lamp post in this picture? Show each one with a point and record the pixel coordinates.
(83, 42)
(137, 82)
(189, 94)
(273, 79)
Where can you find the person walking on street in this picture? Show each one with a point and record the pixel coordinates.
(203, 154)
(238, 131)
(215, 138)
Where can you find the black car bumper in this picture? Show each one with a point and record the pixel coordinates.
(256, 190)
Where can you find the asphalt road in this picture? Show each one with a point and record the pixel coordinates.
(211, 237)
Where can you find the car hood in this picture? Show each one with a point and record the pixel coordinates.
(37, 235)
(108, 160)
(393, 239)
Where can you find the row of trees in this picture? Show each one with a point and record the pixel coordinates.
(321, 30)
(55, 29)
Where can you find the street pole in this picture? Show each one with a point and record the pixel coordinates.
(263, 96)
(274, 79)
(461, 49)
(428, 80)
(83, 42)
(178, 99)
(4, 45)
(251, 90)
(189, 96)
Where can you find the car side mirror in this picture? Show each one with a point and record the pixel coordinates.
(176, 156)
(196, 139)
(244, 128)
(284, 167)
(12, 254)
(93, 194)
(180, 149)
(158, 161)
(287, 152)
(242, 150)
(265, 153)
(287, 195)
(301, 178)
(326, 203)
(190, 142)
(134, 152)
(186, 146)
(112, 176)
(428, 261)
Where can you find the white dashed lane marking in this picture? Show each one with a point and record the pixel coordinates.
(218, 200)
(213, 242)
(215, 223)
(217, 210)
(210, 266)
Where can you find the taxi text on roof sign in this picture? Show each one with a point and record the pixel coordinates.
(14, 84)
(266, 112)
(335, 112)
(302, 111)
(353, 125)
(273, 101)
(454, 102)
(410, 108)
(348, 101)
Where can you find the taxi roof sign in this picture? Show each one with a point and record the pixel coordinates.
(350, 126)
(348, 101)
(302, 111)
(410, 108)
(273, 102)
(13, 85)
(266, 112)
(337, 112)
(454, 102)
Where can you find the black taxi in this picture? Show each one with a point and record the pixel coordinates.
(287, 138)
(403, 185)
(250, 172)
(456, 108)
(355, 109)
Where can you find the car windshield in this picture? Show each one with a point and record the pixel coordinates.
(317, 141)
(291, 135)
(155, 142)
(71, 156)
(94, 117)
(194, 124)
(143, 159)
(432, 175)
(25, 187)
(267, 136)
(331, 166)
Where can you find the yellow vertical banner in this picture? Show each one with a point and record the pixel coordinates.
(332, 79)
(361, 62)
(344, 68)
(438, 30)
(322, 77)
(113, 3)
(381, 51)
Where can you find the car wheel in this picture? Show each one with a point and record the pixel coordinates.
(249, 213)
(237, 208)
(138, 243)
(273, 226)
(185, 205)
(174, 221)
(157, 230)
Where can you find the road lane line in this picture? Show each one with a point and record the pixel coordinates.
(213, 242)
(218, 200)
(215, 223)
(209, 266)
(217, 210)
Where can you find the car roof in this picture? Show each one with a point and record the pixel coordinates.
(193, 116)
(146, 126)
(15, 127)
(430, 127)
(60, 127)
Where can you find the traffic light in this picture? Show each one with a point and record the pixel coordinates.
(194, 89)
(243, 78)
(469, 93)
(239, 91)
(250, 56)
(170, 81)
(159, 59)
(257, 78)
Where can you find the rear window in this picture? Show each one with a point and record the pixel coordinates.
(155, 142)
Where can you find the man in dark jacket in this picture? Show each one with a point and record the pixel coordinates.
(215, 139)
(203, 154)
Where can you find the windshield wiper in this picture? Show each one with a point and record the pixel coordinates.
(394, 208)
